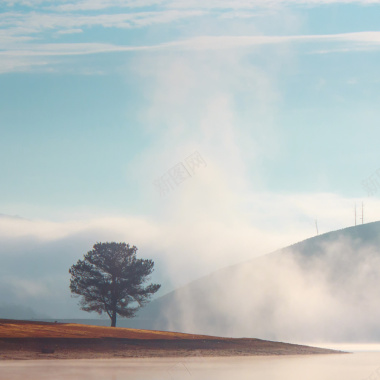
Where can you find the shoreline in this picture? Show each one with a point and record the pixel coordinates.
(113, 348)
(24, 340)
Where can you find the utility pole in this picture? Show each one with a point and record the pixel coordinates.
(316, 226)
(362, 213)
(355, 214)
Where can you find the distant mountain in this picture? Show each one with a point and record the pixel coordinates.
(11, 217)
(10, 311)
(326, 288)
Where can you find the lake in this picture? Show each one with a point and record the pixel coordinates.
(355, 366)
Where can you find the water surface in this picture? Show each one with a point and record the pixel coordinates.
(356, 366)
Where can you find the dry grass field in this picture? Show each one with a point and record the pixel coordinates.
(42, 340)
(29, 329)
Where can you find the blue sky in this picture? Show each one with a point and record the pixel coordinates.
(72, 120)
(98, 99)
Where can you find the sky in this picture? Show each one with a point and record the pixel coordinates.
(204, 133)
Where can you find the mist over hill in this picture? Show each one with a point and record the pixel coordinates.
(326, 288)
(12, 311)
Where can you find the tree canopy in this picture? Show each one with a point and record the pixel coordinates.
(110, 279)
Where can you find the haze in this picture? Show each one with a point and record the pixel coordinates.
(328, 367)
(100, 100)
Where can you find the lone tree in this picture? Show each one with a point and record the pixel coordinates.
(110, 279)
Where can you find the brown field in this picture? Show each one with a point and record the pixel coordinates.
(42, 340)
(29, 329)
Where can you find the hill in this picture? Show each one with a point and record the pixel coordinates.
(41, 340)
(326, 288)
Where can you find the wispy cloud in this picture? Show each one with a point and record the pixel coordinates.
(70, 31)
(32, 31)
(71, 5)
(18, 23)
(9, 64)
(359, 39)
(15, 49)
(104, 4)
(356, 41)
(68, 49)
(53, 13)
(250, 4)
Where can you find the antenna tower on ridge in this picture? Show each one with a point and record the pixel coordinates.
(362, 213)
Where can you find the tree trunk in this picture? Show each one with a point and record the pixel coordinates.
(113, 319)
(114, 302)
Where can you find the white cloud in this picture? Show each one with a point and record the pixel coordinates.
(23, 32)
(250, 4)
(67, 49)
(104, 4)
(47, 15)
(9, 64)
(81, 5)
(24, 289)
(360, 40)
(43, 230)
(203, 227)
(70, 31)
(223, 213)
(18, 23)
